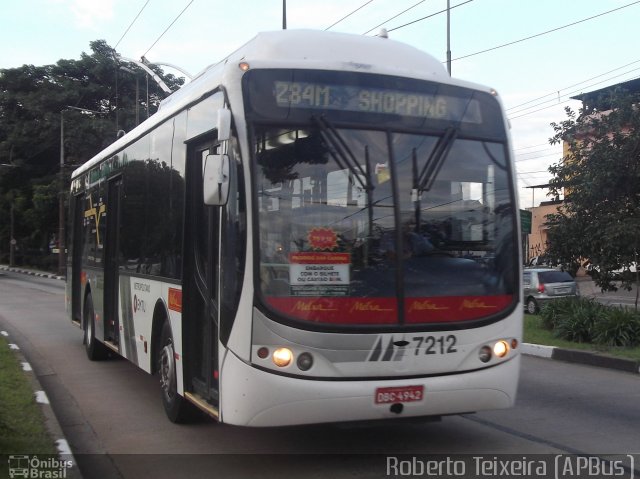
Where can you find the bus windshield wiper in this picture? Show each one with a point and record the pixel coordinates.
(424, 180)
(436, 159)
(343, 155)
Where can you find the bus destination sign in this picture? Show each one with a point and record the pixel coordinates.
(322, 96)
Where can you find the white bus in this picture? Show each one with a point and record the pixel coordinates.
(322, 227)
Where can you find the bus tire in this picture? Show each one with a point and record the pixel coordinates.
(177, 408)
(96, 351)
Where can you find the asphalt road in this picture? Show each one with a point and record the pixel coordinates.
(112, 415)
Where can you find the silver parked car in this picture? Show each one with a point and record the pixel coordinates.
(545, 284)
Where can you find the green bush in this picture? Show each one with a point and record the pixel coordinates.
(583, 320)
(578, 321)
(618, 327)
(555, 311)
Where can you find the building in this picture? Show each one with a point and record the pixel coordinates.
(537, 239)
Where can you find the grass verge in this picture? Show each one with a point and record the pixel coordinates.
(22, 424)
(535, 333)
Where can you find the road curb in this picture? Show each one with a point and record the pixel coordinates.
(31, 272)
(587, 358)
(51, 422)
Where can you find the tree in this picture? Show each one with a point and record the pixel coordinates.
(600, 175)
(31, 101)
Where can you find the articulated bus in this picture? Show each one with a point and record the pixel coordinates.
(322, 227)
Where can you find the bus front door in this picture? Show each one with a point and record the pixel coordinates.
(200, 306)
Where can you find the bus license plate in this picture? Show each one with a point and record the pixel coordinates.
(399, 394)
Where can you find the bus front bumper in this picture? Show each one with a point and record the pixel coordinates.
(253, 397)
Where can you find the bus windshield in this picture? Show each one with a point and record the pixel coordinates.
(367, 226)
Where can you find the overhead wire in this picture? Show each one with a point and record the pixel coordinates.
(395, 16)
(531, 146)
(428, 16)
(572, 86)
(567, 95)
(546, 32)
(349, 14)
(131, 24)
(559, 97)
(170, 25)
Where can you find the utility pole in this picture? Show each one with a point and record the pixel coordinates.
(61, 224)
(12, 236)
(284, 14)
(449, 37)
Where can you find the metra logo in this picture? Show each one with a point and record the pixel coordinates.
(387, 350)
(476, 304)
(310, 306)
(368, 306)
(139, 305)
(425, 305)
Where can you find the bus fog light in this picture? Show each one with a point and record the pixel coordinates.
(263, 353)
(282, 357)
(485, 354)
(514, 343)
(500, 349)
(305, 361)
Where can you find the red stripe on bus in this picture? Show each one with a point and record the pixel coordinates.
(336, 310)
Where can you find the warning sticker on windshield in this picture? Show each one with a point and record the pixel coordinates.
(322, 238)
(319, 274)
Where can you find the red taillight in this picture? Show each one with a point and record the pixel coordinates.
(541, 288)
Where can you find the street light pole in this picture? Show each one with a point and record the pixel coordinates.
(284, 14)
(449, 37)
(12, 241)
(12, 236)
(61, 224)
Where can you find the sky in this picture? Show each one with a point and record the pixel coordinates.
(535, 53)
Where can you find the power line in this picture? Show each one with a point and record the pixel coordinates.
(429, 16)
(545, 33)
(564, 101)
(167, 29)
(560, 97)
(536, 157)
(348, 15)
(131, 24)
(395, 16)
(521, 160)
(531, 146)
(572, 86)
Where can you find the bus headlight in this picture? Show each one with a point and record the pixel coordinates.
(282, 357)
(501, 348)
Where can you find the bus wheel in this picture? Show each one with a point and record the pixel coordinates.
(94, 348)
(178, 409)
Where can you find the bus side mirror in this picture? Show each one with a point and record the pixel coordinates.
(215, 177)
(224, 124)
